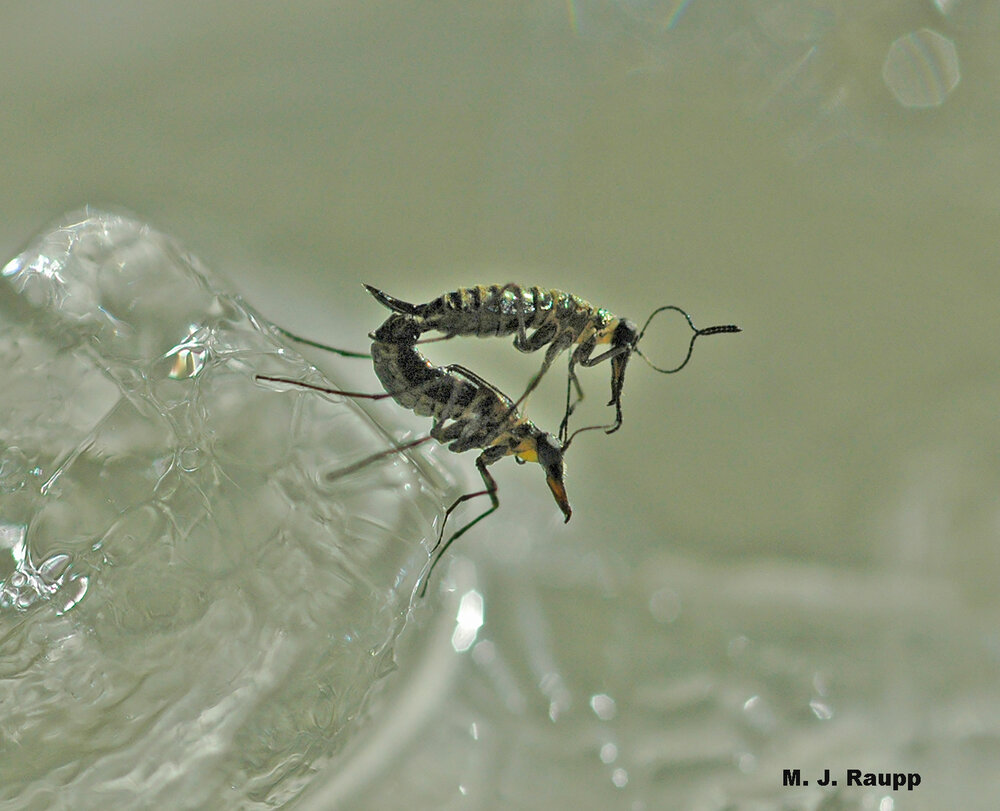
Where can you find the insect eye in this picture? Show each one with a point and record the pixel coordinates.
(626, 334)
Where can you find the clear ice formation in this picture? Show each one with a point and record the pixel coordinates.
(189, 605)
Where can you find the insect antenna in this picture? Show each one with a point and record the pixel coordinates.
(346, 471)
(696, 333)
(301, 384)
(572, 436)
(345, 353)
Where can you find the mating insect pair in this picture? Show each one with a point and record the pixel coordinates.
(468, 411)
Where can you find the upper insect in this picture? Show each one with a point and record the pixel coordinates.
(556, 319)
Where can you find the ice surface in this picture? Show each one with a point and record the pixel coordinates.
(189, 605)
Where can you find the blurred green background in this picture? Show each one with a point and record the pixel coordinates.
(823, 484)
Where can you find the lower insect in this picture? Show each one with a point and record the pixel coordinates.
(468, 413)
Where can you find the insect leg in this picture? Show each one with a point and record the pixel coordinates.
(571, 381)
(479, 381)
(363, 463)
(473, 427)
(621, 353)
(611, 353)
(521, 336)
(447, 337)
(539, 338)
(550, 355)
(490, 490)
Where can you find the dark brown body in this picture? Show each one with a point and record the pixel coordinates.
(468, 412)
(478, 415)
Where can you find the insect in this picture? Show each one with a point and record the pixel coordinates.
(468, 412)
(557, 319)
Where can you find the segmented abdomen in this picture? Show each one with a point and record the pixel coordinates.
(428, 390)
(492, 311)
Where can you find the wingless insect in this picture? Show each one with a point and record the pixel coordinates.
(557, 319)
(468, 412)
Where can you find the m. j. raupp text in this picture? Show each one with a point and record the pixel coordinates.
(856, 777)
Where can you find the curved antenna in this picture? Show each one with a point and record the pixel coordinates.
(345, 353)
(696, 333)
(572, 436)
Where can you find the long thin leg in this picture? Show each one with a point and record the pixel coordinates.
(436, 433)
(491, 491)
(523, 344)
(571, 381)
(354, 468)
(611, 353)
(474, 378)
(550, 355)
(447, 337)
(522, 335)
(617, 380)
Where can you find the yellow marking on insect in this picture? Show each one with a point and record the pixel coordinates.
(606, 335)
(527, 452)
